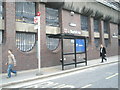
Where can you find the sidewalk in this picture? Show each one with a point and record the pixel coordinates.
(29, 75)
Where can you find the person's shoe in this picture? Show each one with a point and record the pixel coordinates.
(101, 62)
(7, 77)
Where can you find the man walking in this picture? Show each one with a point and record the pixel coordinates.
(102, 53)
(11, 62)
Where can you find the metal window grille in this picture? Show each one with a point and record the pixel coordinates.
(25, 12)
(97, 42)
(84, 22)
(52, 18)
(96, 25)
(25, 41)
(52, 43)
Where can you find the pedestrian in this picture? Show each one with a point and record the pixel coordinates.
(102, 53)
(11, 62)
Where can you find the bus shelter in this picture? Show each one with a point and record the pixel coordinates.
(77, 48)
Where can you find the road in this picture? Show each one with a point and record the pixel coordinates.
(105, 76)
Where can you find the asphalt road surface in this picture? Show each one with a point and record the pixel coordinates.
(105, 76)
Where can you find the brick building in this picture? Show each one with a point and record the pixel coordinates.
(97, 21)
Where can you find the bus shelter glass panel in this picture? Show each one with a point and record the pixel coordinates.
(69, 58)
(68, 46)
(80, 57)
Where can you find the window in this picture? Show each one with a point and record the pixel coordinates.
(106, 42)
(52, 17)
(84, 22)
(119, 42)
(52, 43)
(87, 41)
(1, 10)
(25, 41)
(105, 27)
(97, 42)
(25, 12)
(1, 37)
(96, 25)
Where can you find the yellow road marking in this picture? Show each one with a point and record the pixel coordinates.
(87, 86)
(112, 76)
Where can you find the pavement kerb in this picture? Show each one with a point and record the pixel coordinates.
(55, 74)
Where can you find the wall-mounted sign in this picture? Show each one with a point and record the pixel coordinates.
(71, 31)
(72, 24)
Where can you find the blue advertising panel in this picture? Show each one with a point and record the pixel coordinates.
(80, 45)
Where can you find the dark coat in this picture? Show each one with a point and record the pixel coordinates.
(103, 52)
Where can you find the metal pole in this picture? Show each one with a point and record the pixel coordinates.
(39, 59)
(85, 52)
(62, 53)
(75, 52)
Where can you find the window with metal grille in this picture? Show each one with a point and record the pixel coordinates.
(52, 43)
(105, 27)
(106, 42)
(1, 10)
(52, 18)
(84, 22)
(25, 41)
(96, 25)
(97, 42)
(25, 12)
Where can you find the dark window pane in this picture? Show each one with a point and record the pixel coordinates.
(25, 41)
(106, 42)
(119, 42)
(105, 27)
(52, 17)
(96, 25)
(84, 22)
(52, 43)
